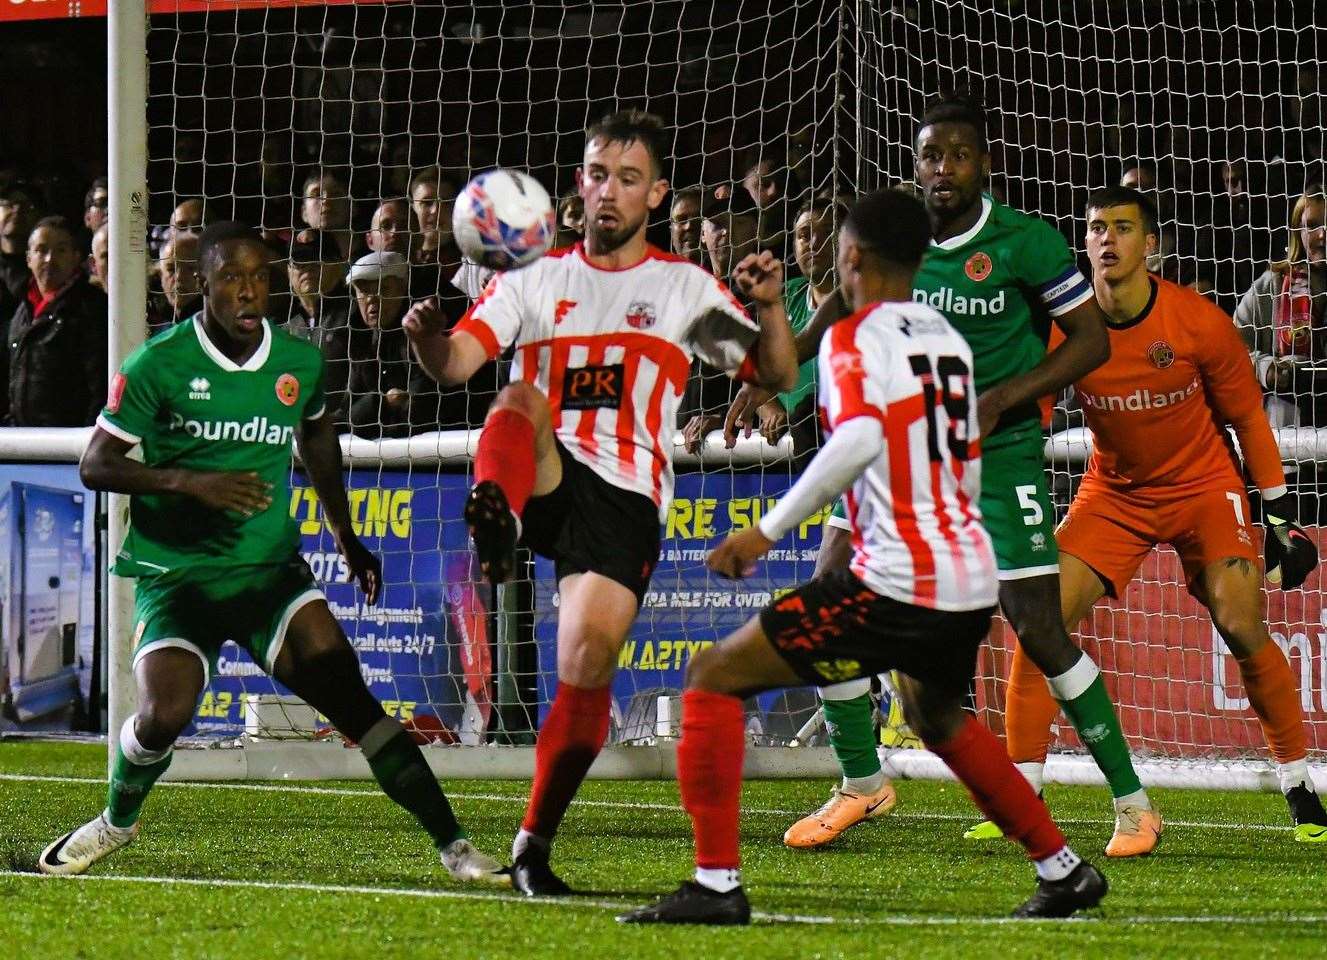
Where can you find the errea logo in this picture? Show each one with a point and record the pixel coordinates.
(200, 389)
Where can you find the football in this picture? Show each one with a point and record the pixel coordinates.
(503, 219)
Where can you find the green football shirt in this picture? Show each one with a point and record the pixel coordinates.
(999, 284)
(797, 305)
(193, 408)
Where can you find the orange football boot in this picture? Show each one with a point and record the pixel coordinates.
(1137, 832)
(841, 811)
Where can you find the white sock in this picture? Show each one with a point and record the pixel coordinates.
(720, 881)
(1034, 772)
(1058, 865)
(135, 752)
(1294, 774)
(1071, 684)
(864, 786)
(1136, 799)
(525, 838)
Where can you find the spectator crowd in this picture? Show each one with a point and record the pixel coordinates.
(346, 270)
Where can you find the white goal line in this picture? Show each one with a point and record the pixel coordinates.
(580, 903)
(612, 804)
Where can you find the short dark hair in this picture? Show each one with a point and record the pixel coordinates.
(101, 183)
(688, 193)
(738, 203)
(57, 222)
(214, 235)
(1121, 197)
(317, 176)
(26, 189)
(634, 126)
(957, 105)
(892, 225)
(820, 203)
(568, 201)
(434, 175)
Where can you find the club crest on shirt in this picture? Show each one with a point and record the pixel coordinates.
(1161, 354)
(978, 267)
(640, 315)
(287, 389)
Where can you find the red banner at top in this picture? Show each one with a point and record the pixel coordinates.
(11, 10)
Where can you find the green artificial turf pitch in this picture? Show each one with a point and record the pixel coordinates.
(336, 870)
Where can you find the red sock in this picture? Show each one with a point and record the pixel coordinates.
(999, 789)
(571, 737)
(506, 456)
(709, 774)
(1274, 696)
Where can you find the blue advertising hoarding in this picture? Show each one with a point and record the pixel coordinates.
(424, 647)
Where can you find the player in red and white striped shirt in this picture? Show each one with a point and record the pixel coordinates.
(575, 456)
(896, 390)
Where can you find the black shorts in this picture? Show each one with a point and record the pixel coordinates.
(836, 628)
(587, 525)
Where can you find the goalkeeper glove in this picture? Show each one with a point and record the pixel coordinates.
(1290, 554)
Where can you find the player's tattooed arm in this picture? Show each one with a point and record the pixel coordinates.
(320, 452)
(1086, 346)
(760, 277)
(450, 359)
(105, 465)
(742, 412)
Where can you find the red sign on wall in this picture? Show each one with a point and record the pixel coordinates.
(64, 9)
(1177, 689)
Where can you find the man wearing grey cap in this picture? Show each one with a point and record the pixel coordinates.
(373, 387)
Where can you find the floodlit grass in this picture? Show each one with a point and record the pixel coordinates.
(336, 870)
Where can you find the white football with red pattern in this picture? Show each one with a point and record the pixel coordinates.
(503, 219)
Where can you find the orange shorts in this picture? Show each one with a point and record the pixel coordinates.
(1112, 532)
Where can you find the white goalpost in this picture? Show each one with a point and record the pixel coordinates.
(236, 106)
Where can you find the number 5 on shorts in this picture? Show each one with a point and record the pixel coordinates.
(1027, 502)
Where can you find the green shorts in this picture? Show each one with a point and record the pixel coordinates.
(838, 515)
(1016, 509)
(200, 608)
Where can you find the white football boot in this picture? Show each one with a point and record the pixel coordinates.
(469, 865)
(75, 852)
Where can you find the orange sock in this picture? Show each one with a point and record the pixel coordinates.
(1271, 689)
(1029, 711)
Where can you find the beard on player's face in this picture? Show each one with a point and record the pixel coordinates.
(606, 239)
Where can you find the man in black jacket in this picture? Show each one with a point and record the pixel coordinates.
(19, 209)
(56, 343)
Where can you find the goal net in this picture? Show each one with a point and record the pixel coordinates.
(1222, 117)
(348, 128)
(295, 116)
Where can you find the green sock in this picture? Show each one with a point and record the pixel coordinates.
(1093, 716)
(404, 775)
(851, 728)
(129, 785)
